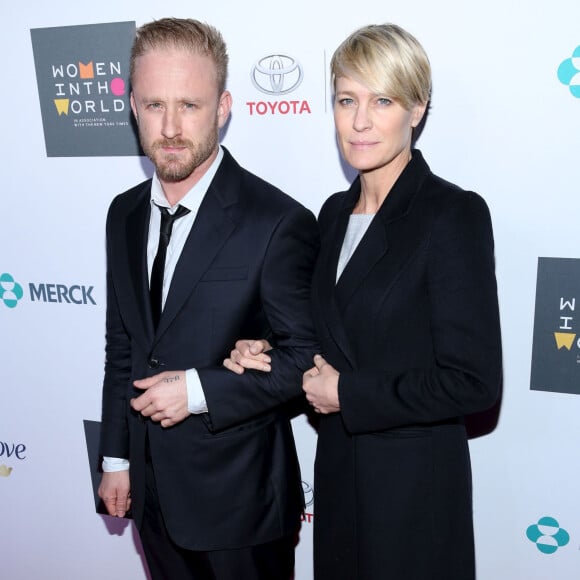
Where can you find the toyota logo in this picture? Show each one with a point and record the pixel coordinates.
(308, 493)
(277, 74)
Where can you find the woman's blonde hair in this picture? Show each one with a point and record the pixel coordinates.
(386, 59)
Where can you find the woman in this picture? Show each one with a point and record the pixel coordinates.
(405, 304)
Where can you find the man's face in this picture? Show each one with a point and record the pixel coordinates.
(178, 110)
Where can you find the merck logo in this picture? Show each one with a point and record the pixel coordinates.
(547, 535)
(569, 73)
(10, 291)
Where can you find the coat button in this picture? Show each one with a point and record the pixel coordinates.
(154, 363)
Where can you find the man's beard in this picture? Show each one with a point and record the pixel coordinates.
(170, 167)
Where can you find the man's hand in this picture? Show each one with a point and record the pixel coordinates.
(249, 354)
(320, 383)
(114, 490)
(164, 399)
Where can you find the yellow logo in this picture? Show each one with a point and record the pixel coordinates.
(86, 70)
(61, 106)
(564, 339)
(5, 471)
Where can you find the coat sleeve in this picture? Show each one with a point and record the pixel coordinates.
(285, 296)
(465, 373)
(114, 441)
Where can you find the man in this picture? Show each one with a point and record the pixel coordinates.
(214, 482)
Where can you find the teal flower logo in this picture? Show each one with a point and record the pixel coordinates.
(547, 535)
(569, 73)
(10, 291)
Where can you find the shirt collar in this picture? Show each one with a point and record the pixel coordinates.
(192, 199)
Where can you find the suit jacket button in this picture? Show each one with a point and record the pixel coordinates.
(154, 363)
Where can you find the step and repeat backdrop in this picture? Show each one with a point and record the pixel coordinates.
(504, 121)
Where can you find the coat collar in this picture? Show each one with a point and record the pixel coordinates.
(371, 249)
(402, 195)
(375, 244)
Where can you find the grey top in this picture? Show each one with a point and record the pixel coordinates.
(358, 224)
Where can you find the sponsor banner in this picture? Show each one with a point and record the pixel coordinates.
(276, 76)
(83, 85)
(11, 454)
(12, 291)
(556, 341)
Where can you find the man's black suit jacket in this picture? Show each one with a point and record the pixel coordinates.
(228, 478)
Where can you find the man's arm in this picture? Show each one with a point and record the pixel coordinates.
(114, 441)
(285, 294)
(171, 396)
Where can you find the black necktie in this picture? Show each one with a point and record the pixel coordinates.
(158, 270)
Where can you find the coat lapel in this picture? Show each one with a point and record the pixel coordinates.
(334, 299)
(137, 229)
(374, 245)
(371, 249)
(214, 223)
(325, 277)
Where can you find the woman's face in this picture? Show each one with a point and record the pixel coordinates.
(374, 131)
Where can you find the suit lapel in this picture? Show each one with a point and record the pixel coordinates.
(137, 228)
(214, 223)
(325, 286)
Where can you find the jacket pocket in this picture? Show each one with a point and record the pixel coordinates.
(243, 429)
(226, 273)
(405, 433)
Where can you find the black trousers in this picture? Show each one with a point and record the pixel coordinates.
(168, 561)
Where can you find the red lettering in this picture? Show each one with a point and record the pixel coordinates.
(280, 107)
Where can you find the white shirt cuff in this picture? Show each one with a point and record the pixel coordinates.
(196, 402)
(111, 464)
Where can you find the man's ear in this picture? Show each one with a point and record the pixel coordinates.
(134, 107)
(224, 108)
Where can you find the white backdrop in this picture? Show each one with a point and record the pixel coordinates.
(501, 123)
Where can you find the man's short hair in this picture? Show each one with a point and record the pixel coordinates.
(183, 33)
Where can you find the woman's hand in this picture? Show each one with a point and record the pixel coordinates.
(249, 354)
(320, 383)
